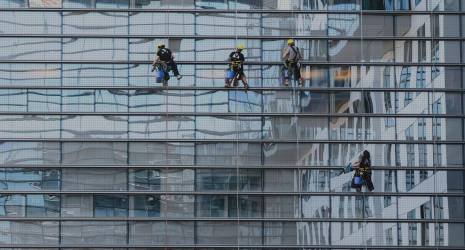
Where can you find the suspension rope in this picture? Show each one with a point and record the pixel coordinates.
(297, 105)
(237, 127)
(436, 196)
(363, 124)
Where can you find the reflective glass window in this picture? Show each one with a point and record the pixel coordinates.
(161, 232)
(73, 205)
(42, 205)
(110, 205)
(29, 232)
(36, 153)
(90, 232)
(145, 206)
(90, 153)
(94, 179)
(111, 23)
(159, 153)
(12, 205)
(30, 179)
(228, 180)
(22, 22)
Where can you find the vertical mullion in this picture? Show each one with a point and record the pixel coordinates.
(195, 126)
(128, 169)
(60, 171)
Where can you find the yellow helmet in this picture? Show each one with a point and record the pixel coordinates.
(290, 41)
(161, 45)
(240, 46)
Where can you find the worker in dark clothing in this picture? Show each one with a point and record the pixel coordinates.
(362, 169)
(164, 55)
(291, 58)
(236, 63)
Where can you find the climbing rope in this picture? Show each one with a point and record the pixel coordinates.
(237, 127)
(435, 170)
(363, 124)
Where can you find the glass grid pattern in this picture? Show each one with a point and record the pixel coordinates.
(95, 154)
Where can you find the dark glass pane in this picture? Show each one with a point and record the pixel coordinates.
(145, 206)
(110, 205)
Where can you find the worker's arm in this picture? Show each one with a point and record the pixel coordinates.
(156, 59)
(286, 53)
(356, 165)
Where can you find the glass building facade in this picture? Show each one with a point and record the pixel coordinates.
(95, 154)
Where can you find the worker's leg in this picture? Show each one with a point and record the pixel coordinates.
(297, 75)
(174, 67)
(244, 80)
(369, 183)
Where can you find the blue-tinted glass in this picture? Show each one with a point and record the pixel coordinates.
(29, 179)
(12, 205)
(42, 205)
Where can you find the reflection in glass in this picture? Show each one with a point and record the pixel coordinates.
(30, 49)
(29, 179)
(162, 127)
(145, 206)
(29, 126)
(162, 179)
(227, 180)
(77, 205)
(36, 153)
(228, 206)
(112, 23)
(94, 232)
(29, 232)
(26, 22)
(161, 232)
(42, 205)
(12, 205)
(227, 154)
(95, 74)
(94, 179)
(30, 74)
(98, 153)
(110, 206)
(161, 153)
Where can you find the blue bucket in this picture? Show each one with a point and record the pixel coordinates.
(357, 180)
(159, 75)
(230, 74)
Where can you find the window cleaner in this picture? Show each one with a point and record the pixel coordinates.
(235, 71)
(163, 63)
(291, 58)
(362, 175)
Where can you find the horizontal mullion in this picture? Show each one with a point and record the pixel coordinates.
(231, 114)
(309, 63)
(251, 193)
(233, 219)
(231, 141)
(257, 167)
(217, 246)
(157, 87)
(218, 37)
(239, 11)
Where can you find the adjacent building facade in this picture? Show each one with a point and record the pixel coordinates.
(95, 154)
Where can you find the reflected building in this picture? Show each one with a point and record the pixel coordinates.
(94, 154)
